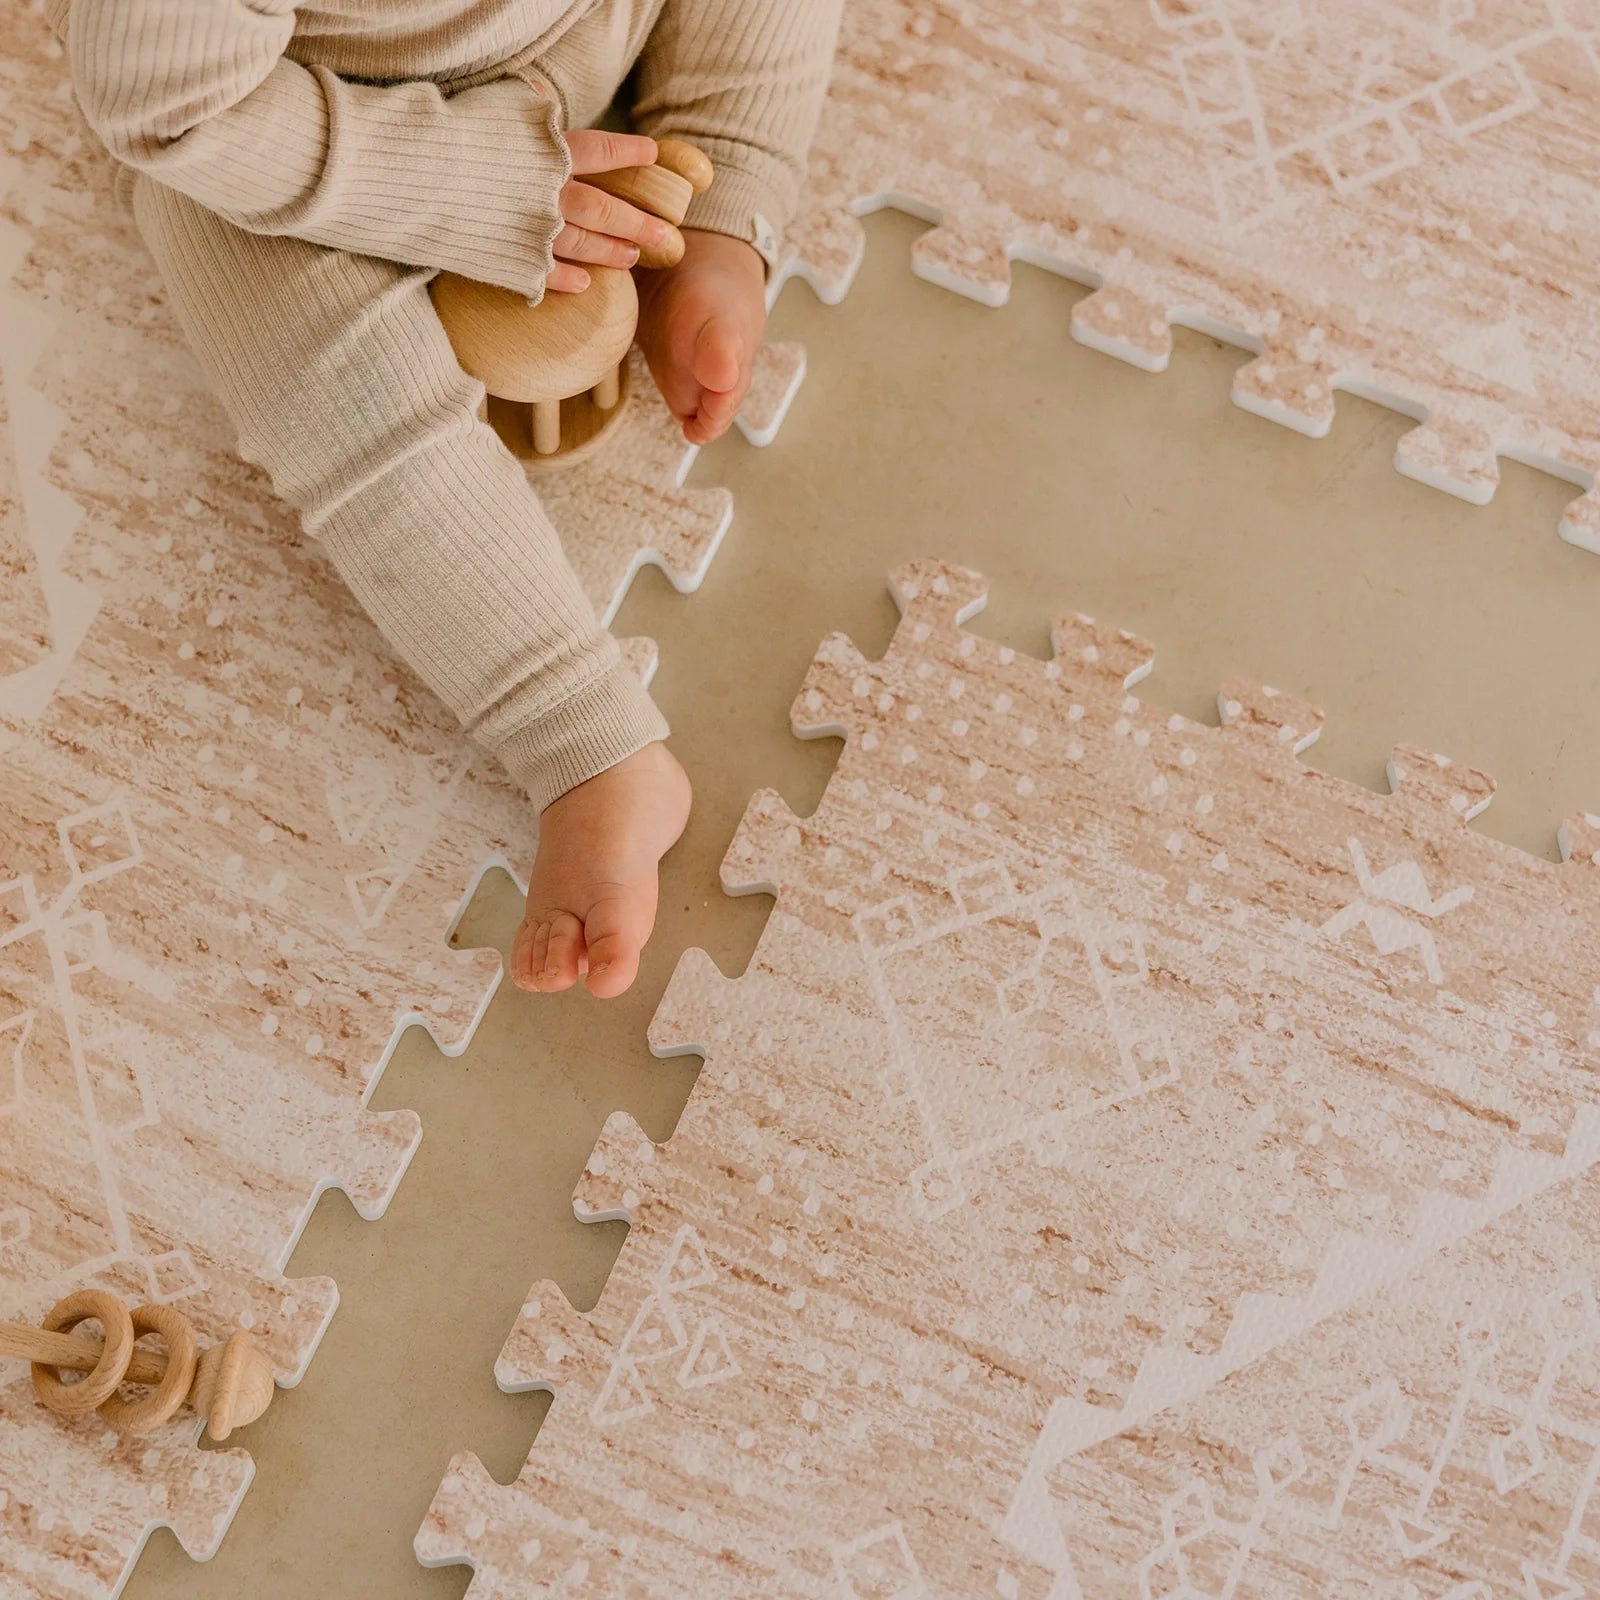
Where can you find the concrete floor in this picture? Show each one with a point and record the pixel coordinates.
(927, 426)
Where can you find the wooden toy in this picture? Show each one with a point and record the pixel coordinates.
(229, 1384)
(557, 371)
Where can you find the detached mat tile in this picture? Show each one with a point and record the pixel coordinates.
(1134, 1163)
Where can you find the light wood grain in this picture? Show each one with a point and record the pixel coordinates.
(562, 346)
(663, 194)
(546, 426)
(658, 190)
(688, 161)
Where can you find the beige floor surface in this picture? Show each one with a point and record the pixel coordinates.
(928, 425)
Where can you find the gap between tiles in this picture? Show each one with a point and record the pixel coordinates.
(929, 425)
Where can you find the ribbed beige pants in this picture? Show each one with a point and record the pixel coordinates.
(342, 385)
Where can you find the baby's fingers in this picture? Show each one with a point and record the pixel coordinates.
(593, 150)
(564, 278)
(581, 244)
(584, 206)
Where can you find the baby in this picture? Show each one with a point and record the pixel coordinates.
(300, 173)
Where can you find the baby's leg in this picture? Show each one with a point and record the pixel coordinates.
(341, 383)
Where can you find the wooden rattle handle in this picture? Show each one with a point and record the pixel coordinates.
(664, 190)
(229, 1384)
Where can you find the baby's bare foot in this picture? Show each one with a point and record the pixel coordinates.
(592, 893)
(700, 326)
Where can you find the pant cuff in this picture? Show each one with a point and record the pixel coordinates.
(604, 722)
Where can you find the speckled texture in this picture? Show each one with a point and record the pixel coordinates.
(1134, 1163)
(233, 836)
(1394, 197)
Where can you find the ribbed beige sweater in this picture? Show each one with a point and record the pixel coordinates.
(302, 171)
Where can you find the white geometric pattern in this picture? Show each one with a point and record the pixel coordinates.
(666, 1335)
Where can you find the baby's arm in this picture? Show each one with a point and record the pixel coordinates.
(744, 80)
(199, 94)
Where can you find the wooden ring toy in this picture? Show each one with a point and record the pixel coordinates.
(84, 1305)
(230, 1384)
(152, 1409)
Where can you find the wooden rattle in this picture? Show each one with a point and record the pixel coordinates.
(229, 1384)
(557, 373)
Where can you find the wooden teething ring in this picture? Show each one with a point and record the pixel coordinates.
(74, 1399)
(152, 1409)
(229, 1384)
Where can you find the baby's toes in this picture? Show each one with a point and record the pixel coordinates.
(717, 412)
(523, 948)
(616, 933)
(553, 952)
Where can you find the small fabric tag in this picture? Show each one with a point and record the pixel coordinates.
(766, 239)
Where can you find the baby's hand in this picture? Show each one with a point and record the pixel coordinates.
(599, 227)
(700, 326)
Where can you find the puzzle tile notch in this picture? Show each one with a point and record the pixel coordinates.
(693, 1011)
(1118, 322)
(1458, 457)
(548, 1342)
(1579, 839)
(622, 1175)
(1089, 653)
(639, 482)
(1580, 522)
(974, 261)
(467, 1502)
(1256, 711)
(376, 1152)
(768, 840)
(1285, 387)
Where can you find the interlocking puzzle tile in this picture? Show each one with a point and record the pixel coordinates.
(233, 840)
(1133, 1163)
(1396, 200)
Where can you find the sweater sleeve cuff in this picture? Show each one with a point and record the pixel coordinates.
(487, 202)
(608, 719)
(752, 198)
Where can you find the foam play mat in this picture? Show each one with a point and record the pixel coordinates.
(1134, 1163)
(234, 836)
